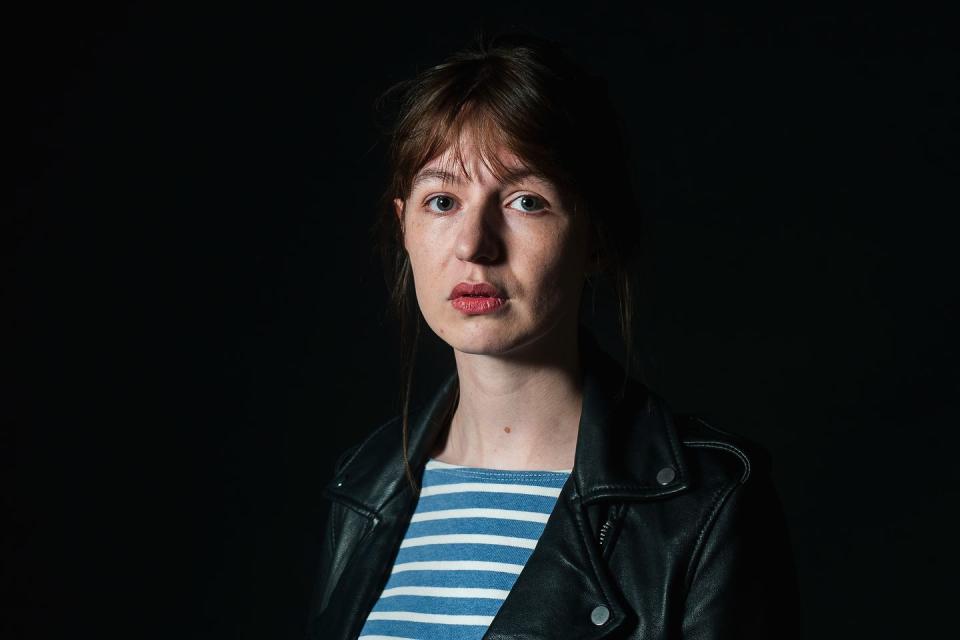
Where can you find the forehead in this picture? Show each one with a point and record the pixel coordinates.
(468, 163)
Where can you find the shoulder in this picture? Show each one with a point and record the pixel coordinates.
(740, 545)
(716, 455)
(733, 493)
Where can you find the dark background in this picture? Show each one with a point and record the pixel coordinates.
(198, 326)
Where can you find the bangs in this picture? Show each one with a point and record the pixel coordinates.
(473, 126)
(491, 124)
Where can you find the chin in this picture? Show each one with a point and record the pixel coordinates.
(485, 335)
(488, 341)
(486, 338)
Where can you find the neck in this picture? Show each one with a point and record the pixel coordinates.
(516, 412)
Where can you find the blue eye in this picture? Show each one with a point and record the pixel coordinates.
(529, 204)
(444, 203)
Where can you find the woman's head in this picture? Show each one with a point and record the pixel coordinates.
(506, 103)
(456, 211)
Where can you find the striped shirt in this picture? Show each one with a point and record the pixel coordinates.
(470, 536)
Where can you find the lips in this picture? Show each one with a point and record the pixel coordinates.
(479, 290)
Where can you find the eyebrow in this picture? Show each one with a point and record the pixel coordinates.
(511, 177)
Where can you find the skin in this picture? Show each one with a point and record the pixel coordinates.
(519, 371)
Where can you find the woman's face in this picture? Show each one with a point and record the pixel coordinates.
(517, 236)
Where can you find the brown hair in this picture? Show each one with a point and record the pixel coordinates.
(524, 93)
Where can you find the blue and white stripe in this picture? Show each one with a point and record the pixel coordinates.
(471, 534)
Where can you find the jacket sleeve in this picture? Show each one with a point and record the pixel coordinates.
(742, 578)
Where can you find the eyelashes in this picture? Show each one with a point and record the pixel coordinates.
(444, 204)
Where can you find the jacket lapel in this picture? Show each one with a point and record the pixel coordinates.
(370, 560)
(562, 583)
(374, 489)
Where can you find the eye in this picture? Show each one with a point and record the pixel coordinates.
(443, 203)
(528, 203)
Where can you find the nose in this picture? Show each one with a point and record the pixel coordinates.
(478, 238)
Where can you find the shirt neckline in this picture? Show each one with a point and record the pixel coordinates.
(433, 463)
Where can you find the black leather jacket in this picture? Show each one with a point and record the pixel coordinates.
(666, 528)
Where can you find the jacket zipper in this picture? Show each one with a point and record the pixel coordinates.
(603, 531)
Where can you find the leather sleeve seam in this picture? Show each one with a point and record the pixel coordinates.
(720, 498)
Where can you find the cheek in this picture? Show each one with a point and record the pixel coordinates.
(424, 265)
(555, 271)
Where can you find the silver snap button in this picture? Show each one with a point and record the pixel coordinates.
(666, 475)
(599, 615)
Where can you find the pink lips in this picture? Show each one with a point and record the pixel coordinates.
(480, 289)
(476, 299)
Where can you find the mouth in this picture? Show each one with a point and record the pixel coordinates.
(477, 298)
(477, 305)
(476, 290)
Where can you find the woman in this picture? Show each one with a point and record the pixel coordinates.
(542, 492)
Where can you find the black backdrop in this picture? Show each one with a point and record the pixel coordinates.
(198, 324)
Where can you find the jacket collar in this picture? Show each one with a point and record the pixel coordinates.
(627, 446)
